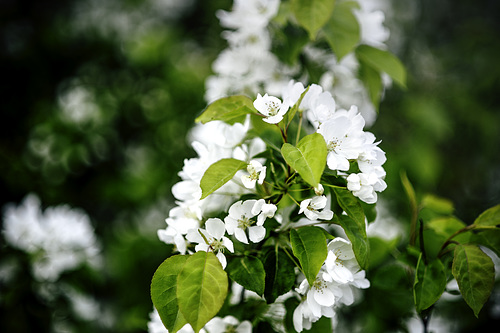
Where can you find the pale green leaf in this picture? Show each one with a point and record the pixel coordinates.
(164, 292)
(219, 173)
(475, 274)
(201, 288)
(383, 61)
(357, 235)
(308, 159)
(309, 246)
(230, 109)
(342, 30)
(249, 272)
(430, 282)
(437, 204)
(312, 14)
(489, 218)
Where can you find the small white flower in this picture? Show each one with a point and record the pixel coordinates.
(271, 107)
(341, 263)
(318, 190)
(241, 219)
(213, 239)
(311, 208)
(364, 186)
(257, 173)
(319, 301)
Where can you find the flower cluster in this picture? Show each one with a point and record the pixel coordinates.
(245, 202)
(248, 64)
(59, 239)
(333, 285)
(343, 132)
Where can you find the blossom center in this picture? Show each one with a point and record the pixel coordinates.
(272, 108)
(244, 222)
(333, 145)
(319, 285)
(230, 329)
(216, 245)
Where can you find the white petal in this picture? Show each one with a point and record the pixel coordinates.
(222, 259)
(244, 327)
(257, 207)
(325, 214)
(228, 244)
(241, 235)
(313, 304)
(256, 233)
(231, 224)
(248, 182)
(215, 227)
(324, 297)
(297, 318)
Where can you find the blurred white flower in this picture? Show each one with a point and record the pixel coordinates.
(59, 239)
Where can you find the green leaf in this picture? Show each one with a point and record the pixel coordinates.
(342, 30)
(350, 204)
(249, 272)
(357, 235)
(219, 173)
(201, 288)
(490, 238)
(280, 274)
(228, 109)
(372, 81)
(489, 218)
(164, 292)
(383, 61)
(309, 246)
(308, 158)
(437, 204)
(430, 282)
(475, 274)
(312, 14)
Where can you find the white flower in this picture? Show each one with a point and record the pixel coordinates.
(318, 190)
(311, 208)
(341, 263)
(319, 301)
(257, 173)
(364, 186)
(213, 239)
(228, 324)
(62, 237)
(240, 220)
(271, 107)
(344, 138)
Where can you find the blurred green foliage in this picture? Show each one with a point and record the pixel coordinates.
(142, 85)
